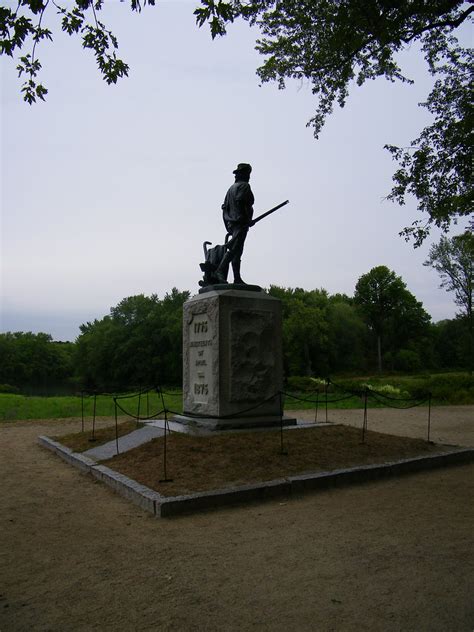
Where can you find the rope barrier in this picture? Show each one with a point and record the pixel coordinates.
(131, 395)
(354, 392)
(365, 394)
(376, 394)
(236, 415)
(396, 399)
(135, 416)
(378, 397)
(314, 401)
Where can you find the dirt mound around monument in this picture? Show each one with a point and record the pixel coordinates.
(212, 462)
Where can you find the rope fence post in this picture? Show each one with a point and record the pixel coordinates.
(429, 416)
(147, 405)
(139, 406)
(82, 411)
(326, 398)
(116, 427)
(364, 425)
(282, 449)
(316, 408)
(165, 478)
(93, 418)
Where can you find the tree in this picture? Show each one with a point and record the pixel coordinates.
(390, 309)
(138, 344)
(34, 361)
(408, 336)
(304, 330)
(24, 25)
(347, 336)
(453, 259)
(334, 43)
(450, 343)
(322, 334)
(437, 167)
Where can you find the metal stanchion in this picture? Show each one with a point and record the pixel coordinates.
(326, 394)
(82, 411)
(165, 478)
(429, 416)
(282, 449)
(364, 425)
(93, 419)
(316, 409)
(139, 405)
(116, 427)
(165, 473)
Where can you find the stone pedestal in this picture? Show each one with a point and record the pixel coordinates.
(232, 357)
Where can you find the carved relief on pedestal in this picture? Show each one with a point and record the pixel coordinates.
(252, 357)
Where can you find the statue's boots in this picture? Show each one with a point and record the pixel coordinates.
(223, 266)
(236, 270)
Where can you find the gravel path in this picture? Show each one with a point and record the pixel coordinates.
(390, 556)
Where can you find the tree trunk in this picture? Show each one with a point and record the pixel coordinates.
(307, 360)
(471, 344)
(379, 352)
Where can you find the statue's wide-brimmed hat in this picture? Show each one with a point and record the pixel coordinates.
(243, 167)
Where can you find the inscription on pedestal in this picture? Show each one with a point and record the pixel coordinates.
(200, 358)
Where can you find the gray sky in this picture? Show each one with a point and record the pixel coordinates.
(109, 191)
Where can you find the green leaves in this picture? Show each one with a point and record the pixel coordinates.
(72, 21)
(34, 359)
(335, 44)
(328, 42)
(101, 41)
(139, 343)
(23, 25)
(217, 14)
(31, 90)
(390, 309)
(437, 167)
(13, 31)
(453, 259)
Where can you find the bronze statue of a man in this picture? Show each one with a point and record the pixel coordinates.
(237, 212)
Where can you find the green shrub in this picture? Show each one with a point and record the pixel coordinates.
(349, 385)
(8, 388)
(305, 384)
(407, 360)
(452, 388)
(387, 389)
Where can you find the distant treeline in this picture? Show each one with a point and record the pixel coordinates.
(140, 343)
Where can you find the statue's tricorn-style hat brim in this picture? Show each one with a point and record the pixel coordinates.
(243, 166)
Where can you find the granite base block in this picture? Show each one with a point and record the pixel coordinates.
(235, 423)
(232, 356)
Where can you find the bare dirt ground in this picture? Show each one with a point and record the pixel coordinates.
(385, 556)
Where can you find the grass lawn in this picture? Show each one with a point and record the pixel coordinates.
(446, 388)
(213, 462)
(61, 407)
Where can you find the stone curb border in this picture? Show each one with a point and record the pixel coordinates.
(164, 506)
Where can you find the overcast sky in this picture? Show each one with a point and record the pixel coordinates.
(109, 191)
